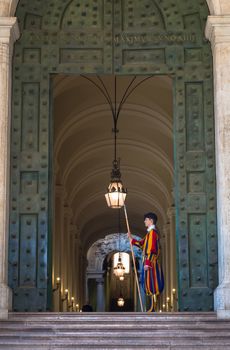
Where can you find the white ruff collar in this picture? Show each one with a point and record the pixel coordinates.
(152, 227)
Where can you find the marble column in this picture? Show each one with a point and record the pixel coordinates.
(8, 7)
(100, 295)
(218, 32)
(82, 278)
(9, 32)
(86, 289)
(82, 290)
(71, 265)
(77, 267)
(84, 270)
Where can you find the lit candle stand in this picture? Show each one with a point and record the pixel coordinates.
(58, 284)
(77, 307)
(174, 300)
(71, 304)
(168, 304)
(58, 295)
(65, 298)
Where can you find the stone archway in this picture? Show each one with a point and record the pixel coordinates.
(96, 256)
(41, 52)
(101, 248)
(215, 8)
(165, 44)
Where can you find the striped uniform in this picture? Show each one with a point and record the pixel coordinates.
(152, 279)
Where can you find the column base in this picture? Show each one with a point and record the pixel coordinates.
(5, 301)
(222, 301)
(223, 314)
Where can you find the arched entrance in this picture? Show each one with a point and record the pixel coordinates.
(83, 147)
(123, 38)
(100, 271)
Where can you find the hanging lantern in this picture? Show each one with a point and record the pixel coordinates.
(120, 301)
(119, 270)
(121, 278)
(115, 197)
(116, 194)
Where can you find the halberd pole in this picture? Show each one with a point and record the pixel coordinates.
(134, 263)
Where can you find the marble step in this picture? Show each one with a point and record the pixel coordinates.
(108, 321)
(40, 326)
(122, 331)
(112, 347)
(106, 316)
(104, 342)
(81, 318)
(160, 331)
(215, 328)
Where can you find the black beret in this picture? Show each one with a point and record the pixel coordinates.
(152, 216)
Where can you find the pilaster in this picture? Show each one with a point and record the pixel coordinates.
(100, 294)
(218, 32)
(77, 265)
(9, 32)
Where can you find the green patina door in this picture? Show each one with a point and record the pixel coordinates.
(105, 37)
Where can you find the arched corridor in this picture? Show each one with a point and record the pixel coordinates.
(83, 151)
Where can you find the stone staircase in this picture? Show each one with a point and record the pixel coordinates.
(156, 331)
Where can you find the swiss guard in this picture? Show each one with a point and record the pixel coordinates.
(152, 278)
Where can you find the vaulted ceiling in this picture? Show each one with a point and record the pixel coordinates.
(83, 151)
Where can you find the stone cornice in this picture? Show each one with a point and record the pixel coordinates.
(9, 30)
(217, 29)
(97, 274)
